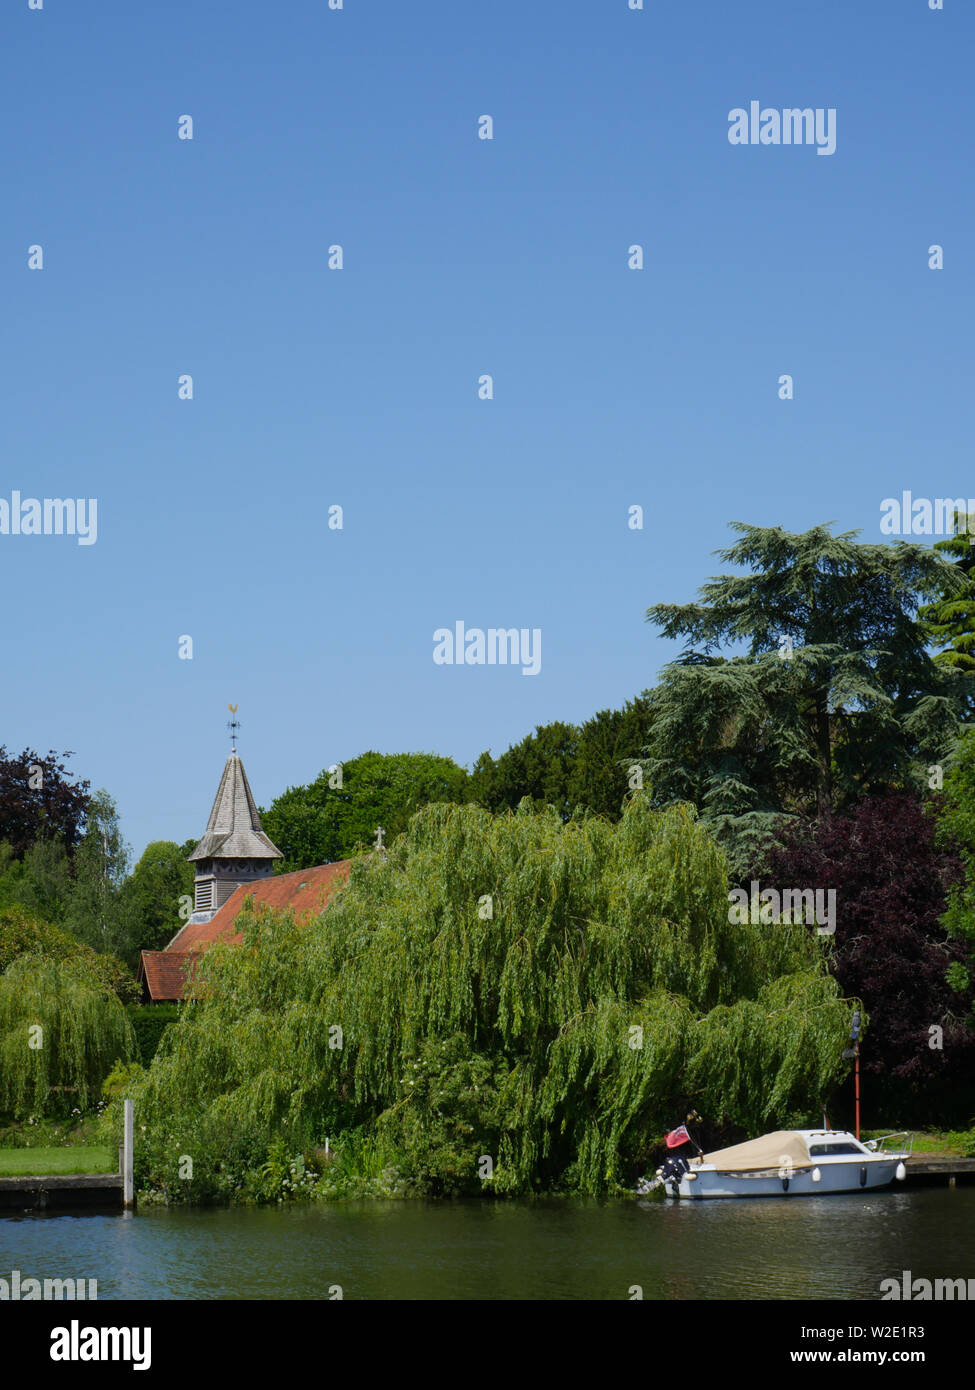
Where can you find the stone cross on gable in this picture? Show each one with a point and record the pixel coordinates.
(379, 837)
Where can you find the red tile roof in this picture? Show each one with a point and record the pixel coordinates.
(165, 973)
(307, 892)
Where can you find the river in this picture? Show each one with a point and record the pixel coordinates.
(757, 1248)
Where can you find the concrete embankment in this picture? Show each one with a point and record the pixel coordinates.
(75, 1191)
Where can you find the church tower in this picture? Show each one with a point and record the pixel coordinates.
(234, 848)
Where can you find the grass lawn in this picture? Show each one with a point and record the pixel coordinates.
(82, 1158)
(935, 1143)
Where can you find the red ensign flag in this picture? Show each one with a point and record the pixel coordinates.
(676, 1137)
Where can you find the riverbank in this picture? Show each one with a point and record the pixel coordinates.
(44, 1133)
(952, 1143)
(353, 1170)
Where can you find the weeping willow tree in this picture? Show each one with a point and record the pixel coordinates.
(503, 1003)
(62, 1029)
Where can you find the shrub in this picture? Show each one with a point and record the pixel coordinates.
(149, 1022)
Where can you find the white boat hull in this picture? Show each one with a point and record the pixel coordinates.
(855, 1175)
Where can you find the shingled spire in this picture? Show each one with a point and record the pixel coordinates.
(234, 829)
(234, 848)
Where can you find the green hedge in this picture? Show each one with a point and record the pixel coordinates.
(150, 1022)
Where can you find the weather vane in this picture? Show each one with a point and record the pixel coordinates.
(233, 725)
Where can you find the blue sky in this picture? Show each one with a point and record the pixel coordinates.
(357, 387)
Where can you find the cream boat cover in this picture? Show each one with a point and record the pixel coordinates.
(770, 1151)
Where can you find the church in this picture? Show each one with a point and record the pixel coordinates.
(234, 864)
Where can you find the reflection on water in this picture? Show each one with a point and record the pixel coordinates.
(755, 1248)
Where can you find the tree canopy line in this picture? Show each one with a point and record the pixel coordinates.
(64, 861)
(813, 732)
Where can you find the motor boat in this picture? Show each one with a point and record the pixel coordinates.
(786, 1163)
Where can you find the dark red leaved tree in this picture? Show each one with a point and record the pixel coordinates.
(891, 951)
(39, 800)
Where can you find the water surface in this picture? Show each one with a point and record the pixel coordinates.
(755, 1248)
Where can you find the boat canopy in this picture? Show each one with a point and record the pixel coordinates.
(770, 1151)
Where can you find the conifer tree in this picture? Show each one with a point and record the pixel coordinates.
(950, 621)
(805, 683)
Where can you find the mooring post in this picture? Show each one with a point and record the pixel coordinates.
(128, 1189)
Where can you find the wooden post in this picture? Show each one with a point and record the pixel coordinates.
(857, 1070)
(128, 1189)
